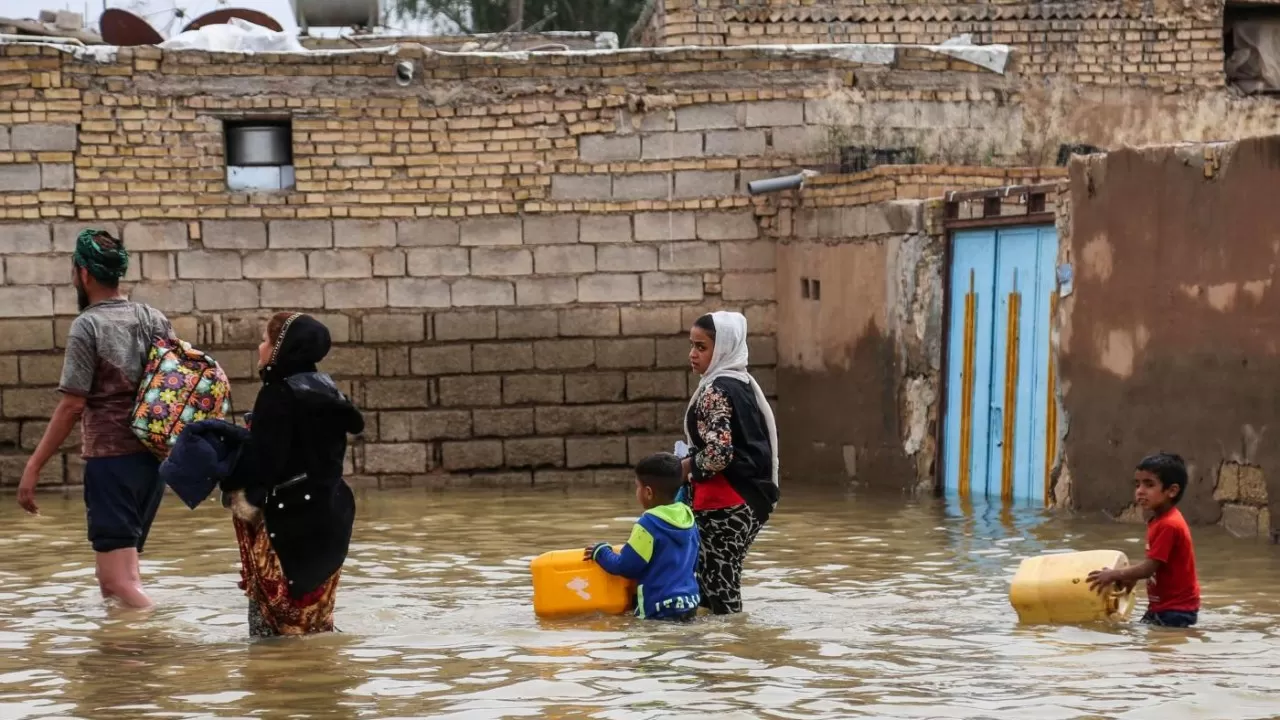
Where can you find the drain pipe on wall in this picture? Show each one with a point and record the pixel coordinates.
(779, 184)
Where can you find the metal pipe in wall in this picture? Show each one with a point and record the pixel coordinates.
(778, 184)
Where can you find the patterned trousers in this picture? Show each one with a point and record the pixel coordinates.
(725, 537)
(272, 611)
(258, 626)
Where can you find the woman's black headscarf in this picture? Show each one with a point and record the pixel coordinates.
(303, 343)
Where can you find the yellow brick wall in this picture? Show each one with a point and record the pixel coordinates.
(1100, 43)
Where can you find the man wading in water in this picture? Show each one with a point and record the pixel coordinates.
(106, 352)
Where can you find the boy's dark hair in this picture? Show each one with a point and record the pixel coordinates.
(661, 471)
(1170, 469)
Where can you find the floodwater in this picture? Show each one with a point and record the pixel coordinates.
(856, 608)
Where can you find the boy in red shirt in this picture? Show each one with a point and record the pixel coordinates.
(1173, 592)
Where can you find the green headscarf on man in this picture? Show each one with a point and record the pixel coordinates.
(102, 257)
(106, 264)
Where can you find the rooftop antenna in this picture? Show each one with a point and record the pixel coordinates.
(175, 13)
(225, 15)
(124, 29)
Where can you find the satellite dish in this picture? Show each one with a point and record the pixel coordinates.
(124, 29)
(218, 17)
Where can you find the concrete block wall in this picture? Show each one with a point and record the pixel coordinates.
(550, 358)
(509, 279)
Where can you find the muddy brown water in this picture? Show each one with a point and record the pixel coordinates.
(856, 608)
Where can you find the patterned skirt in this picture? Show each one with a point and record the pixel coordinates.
(271, 610)
(724, 536)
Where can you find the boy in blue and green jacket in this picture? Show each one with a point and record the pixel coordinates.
(663, 548)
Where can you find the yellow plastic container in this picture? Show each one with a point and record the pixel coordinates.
(1054, 589)
(564, 584)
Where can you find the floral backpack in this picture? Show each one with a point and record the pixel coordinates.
(180, 385)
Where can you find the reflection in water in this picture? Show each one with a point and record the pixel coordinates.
(856, 608)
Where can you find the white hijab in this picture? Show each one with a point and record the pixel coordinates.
(729, 360)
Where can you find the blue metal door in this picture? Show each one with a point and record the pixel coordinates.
(1000, 426)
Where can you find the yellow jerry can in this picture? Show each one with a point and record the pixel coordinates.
(565, 584)
(1055, 589)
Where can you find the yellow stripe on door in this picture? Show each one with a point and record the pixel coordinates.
(1051, 421)
(967, 387)
(1010, 391)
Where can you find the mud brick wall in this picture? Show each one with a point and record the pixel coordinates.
(859, 304)
(1166, 342)
(1101, 43)
(1242, 491)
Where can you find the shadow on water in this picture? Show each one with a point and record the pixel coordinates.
(857, 607)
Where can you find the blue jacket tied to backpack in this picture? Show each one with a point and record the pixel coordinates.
(206, 452)
(660, 556)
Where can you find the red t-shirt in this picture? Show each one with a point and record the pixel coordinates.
(1174, 586)
(715, 493)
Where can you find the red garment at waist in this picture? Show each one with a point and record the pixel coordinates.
(715, 493)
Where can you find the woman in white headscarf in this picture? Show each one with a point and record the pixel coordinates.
(733, 461)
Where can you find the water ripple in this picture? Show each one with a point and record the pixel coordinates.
(857, 608)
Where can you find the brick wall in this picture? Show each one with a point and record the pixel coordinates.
(1102, 43)
(509, 256)
(508, 251)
